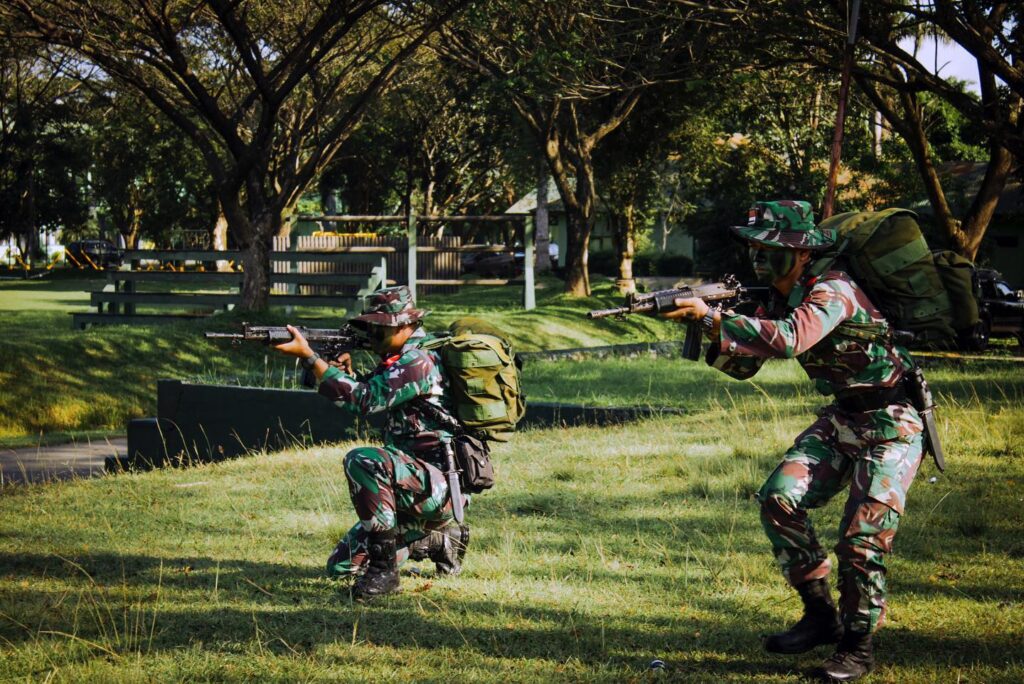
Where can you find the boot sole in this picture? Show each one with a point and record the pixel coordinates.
(826, 677)
(794, 651)
(366, 598)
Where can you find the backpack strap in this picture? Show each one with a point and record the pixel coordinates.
(868, 332)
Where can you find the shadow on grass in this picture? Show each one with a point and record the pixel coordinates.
(295, 616)
(299, 615)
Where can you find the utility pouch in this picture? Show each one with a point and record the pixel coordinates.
(473, 459)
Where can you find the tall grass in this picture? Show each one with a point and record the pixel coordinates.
(56, 382)
(599, 550)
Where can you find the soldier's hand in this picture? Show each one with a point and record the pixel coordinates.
(343, 363)
(297, 346)
(688, 309)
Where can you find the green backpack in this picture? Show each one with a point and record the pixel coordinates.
(484, 377)
(929, 294)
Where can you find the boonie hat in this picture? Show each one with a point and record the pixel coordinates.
(392, 306)
(784, 223)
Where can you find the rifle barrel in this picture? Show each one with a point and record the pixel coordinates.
(223, 336)
(602, 313)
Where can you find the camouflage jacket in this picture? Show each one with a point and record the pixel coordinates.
(390, 388)
(829, 325)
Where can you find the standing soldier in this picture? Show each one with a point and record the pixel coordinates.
(399, 490)
(869, 438)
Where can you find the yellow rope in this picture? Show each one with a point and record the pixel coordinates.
(966, 357)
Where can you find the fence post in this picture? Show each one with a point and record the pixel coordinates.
(529, 294)
(411, 238)
(293, 267)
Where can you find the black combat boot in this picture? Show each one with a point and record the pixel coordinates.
(819, 625)
(445, 547)
(381, 576)
(852, 660)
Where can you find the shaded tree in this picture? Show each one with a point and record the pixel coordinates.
(894, 79)
(575, 71)
(439, 141)
(148, 179)
(267, 91)
(43, 150)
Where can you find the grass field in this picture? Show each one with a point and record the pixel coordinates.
(58, 384)
(598, 551)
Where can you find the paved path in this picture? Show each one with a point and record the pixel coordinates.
(39, 464)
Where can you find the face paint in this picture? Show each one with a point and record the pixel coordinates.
(770, 265)
(388, 339)
(380, 337)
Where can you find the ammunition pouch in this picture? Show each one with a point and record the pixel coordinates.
(473, 459)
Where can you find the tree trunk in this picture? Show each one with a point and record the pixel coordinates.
(541, 228)
(876, 134)
(579, 217)
(625, 247)
(131, 236)
(253, 228)
(577, 274)
(220, 239)
(968, 235)
(912, 129)
(256, 275)
(32, 235)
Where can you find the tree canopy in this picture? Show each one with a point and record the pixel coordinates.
(154, 117)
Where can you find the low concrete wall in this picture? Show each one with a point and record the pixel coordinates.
(201, 423)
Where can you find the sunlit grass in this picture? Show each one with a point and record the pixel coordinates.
(55, 379)
(599, 550)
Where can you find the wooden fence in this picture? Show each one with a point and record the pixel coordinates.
(199, 292)
(436, 259)
(416, 245)
(307, 270)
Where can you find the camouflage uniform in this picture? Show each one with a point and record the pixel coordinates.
(839, 337)
(400, 486)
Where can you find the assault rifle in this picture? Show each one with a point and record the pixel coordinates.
(330, 343)
(726, 293)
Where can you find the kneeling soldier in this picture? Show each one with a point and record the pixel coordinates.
(869, 438)
(399, 490)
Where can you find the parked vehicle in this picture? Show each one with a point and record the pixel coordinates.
(1001, 308)
(102, 253)
(492, 264)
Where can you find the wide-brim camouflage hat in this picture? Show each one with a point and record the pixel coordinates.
(784, 223)
(392, 306)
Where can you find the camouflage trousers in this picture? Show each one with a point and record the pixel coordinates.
(391, 490)
(877, 455)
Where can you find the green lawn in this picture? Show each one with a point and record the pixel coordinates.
(598, 551)
(57, 383)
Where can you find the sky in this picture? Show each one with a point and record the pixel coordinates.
(953, 60)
